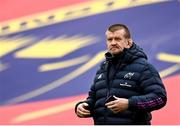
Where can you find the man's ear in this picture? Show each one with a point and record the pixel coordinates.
(130, 42)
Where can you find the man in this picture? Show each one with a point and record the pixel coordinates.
(126, 87)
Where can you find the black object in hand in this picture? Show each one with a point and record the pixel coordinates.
(86, 107)
(110, 98)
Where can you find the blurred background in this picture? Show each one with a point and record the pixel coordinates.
(51, 49)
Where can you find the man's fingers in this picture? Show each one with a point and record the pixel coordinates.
(80, 114)
(116, 109)
(111, 106)
(110, 103)
(83, 113)
(81, 110)
(84, 110)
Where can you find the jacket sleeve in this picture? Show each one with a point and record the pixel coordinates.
(89, 101)
(153, 91)
(91, 95)
(91, 98)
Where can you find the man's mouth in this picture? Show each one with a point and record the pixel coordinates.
(113, 48)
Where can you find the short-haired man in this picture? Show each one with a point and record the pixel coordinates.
(126, 87)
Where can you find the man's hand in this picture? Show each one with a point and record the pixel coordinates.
(118, 105)
(82, 110)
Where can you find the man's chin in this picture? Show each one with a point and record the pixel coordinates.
(115, 52)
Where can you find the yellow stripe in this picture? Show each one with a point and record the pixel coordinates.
(43, 112)
(169, 70)
(169, 57)
(56, 48)
(9, 45)
(69, 13)
(77, 72)
(63, 64)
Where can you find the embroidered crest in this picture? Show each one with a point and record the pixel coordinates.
(128, 75)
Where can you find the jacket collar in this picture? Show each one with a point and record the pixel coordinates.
(127, 56)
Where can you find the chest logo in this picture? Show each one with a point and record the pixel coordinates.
(100, 76)
(129, 75)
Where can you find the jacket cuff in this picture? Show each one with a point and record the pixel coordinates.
(132, 104)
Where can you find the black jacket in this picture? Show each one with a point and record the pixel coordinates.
(130, 76)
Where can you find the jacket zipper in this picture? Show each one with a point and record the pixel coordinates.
(107, 81)
(118, 67)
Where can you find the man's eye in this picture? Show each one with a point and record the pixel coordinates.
(109, 39)
(117, 39)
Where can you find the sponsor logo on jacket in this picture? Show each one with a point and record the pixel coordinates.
(125, 84)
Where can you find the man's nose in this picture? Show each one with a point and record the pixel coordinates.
(113, 42)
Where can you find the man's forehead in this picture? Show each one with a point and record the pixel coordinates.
(117, 32)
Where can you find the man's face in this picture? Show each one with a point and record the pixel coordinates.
(116, 42)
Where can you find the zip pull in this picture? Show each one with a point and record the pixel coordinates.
(106, 65)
